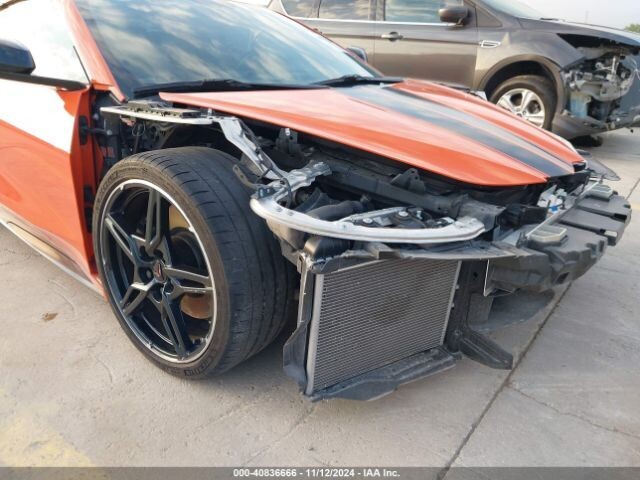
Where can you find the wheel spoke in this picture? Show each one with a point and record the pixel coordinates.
(182, 289)
(134, 296)
(163, 247)
(157, 303)
(527, 97)
(156, 222)
(536, 118)
(174, 325)
(122, 238)
(505, 102)
(179, 274)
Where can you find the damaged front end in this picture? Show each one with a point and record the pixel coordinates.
(399, 266)
(603, 89)
(399, 271)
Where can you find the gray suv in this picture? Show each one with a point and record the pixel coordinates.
(573, 79)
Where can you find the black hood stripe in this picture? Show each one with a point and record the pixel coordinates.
(463, 123)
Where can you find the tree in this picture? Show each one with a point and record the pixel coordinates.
(634, 27)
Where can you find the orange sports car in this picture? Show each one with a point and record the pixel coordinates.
(206, 165)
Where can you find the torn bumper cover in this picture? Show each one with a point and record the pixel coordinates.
(566, 246)
(400, 304)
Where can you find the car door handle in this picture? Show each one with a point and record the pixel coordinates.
(392, 36)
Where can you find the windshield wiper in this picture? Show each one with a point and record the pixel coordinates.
(350, 80)
(232, 85)
(214, 85)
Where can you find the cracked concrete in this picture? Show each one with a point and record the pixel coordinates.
(571, 414)
(574, 398)
(74, 391)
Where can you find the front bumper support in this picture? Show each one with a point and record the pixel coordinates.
(591, 225)
(266, 205)
(382, 381)
(536, 258)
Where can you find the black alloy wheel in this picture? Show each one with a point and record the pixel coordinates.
(195, 278)
(157, 271)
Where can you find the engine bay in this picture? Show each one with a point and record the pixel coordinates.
(598, 85)
(329, 199)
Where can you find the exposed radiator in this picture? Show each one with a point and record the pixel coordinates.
(369, 316)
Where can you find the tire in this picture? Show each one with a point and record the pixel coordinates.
(252, 282)
(540, 86)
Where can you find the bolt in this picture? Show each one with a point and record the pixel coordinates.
(367, 221)
(403, 214)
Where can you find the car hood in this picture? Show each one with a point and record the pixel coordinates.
(424, 125)
(615, 35)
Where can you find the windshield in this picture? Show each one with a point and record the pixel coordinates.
(515, 8)
(148, 42)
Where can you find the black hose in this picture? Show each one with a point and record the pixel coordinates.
(337, 211)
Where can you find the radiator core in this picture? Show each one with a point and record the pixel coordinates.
(369, 316)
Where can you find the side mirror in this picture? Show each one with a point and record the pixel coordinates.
(15, 58)
(361, 53)
(454, 14)
(16, 63)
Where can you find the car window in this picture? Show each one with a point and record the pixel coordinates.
(144, 45)
(345, 9)
(515, 8)
(298, 8)
(416, 11)
(39, 25)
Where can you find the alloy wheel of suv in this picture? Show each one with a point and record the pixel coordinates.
(524, 103)
(531, 97)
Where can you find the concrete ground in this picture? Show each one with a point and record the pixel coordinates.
(74, 391)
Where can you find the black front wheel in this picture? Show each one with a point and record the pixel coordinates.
(194, 277)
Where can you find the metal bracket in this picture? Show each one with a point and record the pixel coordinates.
(485, 351)
(265, 204)
(232, 128)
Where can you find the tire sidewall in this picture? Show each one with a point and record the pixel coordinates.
(130, 169)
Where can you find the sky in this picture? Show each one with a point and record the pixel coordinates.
(612, 13)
